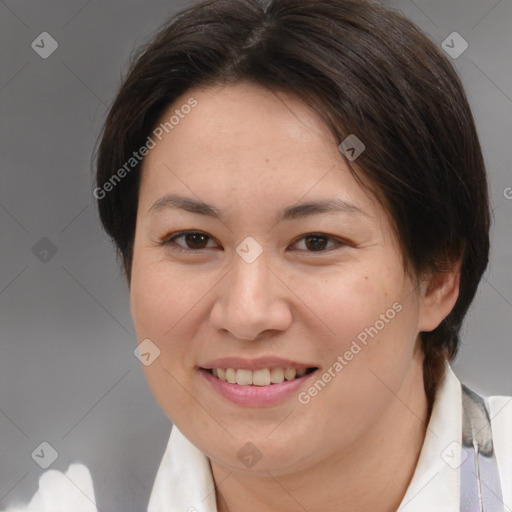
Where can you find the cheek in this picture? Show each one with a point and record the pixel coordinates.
(169, 306)
(371, 320)
(162, 298)
(372, 324)
(349, 302)
(162, 305)
(153, 307)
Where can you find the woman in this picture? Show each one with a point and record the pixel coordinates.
(298, 196)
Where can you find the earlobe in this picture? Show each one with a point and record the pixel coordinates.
(438, 294)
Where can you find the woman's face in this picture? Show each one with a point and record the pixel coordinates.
(254, 286)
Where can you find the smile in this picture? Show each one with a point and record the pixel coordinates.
(261, 377)
(261, 387)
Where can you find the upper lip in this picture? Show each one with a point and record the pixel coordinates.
(239, 363)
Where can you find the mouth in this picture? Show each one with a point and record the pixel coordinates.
(260, 377)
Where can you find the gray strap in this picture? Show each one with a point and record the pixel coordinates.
(480, 488)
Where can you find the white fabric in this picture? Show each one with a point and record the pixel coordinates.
(62, 492)
(184, 480)
(436, 484)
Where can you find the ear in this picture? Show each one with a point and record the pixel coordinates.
(438, 294)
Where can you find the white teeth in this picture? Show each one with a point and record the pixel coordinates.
(263, 377)
(231, 375)
(289, 373)
(276, 375)
(244, 377)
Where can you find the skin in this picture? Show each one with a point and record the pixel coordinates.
(251, 153)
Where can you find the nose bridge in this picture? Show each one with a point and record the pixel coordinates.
(249, 300)
(249, 286)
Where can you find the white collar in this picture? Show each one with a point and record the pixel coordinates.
(184, 481)
(435, 484)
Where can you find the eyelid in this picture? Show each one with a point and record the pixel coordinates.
(168, 241)
(338, 242)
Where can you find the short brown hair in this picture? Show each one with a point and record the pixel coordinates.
(368, 71)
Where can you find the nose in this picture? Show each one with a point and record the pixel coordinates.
(251, 300)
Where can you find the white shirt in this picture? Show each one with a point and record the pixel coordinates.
(184, 482)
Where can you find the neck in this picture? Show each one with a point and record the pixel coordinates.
(371, 474)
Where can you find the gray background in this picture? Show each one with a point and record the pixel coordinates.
(68, 375)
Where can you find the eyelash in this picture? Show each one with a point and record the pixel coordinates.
(169, 241)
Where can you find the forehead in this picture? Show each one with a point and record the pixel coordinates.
(250, 143)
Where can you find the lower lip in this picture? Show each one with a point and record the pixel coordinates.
(252, 396)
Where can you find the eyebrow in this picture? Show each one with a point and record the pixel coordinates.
(301, 210)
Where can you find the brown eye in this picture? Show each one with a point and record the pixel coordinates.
(194, 241)
(316, 242)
